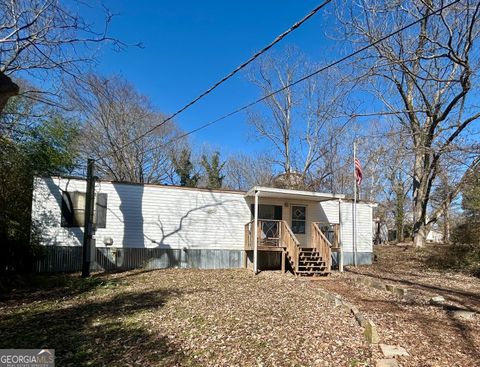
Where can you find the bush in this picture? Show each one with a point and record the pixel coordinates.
(468, 232)
(46, 147)
(19, 257)
(457, 257)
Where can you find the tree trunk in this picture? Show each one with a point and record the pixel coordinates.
(7, 89)
(399, 227)
(402, 232)
(446, 224)
(420, 201)
(420, 237)
(399, 211)
(419, 226)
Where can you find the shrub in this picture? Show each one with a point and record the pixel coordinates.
(457, 257)
(468, 232)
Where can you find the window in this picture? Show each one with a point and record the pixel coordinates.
(73, 209)
(267, 211)
(298, 219)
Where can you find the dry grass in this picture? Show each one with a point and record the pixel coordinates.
(181, 318)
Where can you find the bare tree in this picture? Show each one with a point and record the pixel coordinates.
(297, 122)
(114, 114)
(451, 168)
(428, 71)
(244, 171)
(397, 178)
(46, 39)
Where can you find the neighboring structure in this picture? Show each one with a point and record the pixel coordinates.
(158, 226)
(380, 232)
(435, 236)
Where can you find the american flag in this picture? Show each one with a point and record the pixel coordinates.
(358, 171)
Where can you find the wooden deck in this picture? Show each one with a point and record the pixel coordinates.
(277, 236)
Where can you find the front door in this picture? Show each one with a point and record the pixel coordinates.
(299, 223)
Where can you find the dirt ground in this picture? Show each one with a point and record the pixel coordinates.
(181, 317)
(430, 333)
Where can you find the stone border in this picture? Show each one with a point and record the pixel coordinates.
(377, 284)
(370, 329)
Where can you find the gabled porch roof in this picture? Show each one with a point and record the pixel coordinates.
(271, 192)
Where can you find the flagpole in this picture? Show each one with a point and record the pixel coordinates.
(354, 215)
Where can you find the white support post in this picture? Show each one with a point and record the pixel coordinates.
(340, 260)
(354, 214)
(255, 234)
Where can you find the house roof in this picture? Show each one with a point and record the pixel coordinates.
(291, 194)
(264, 191)
(230, 191)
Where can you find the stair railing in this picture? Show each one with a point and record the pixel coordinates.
(249, 235)
(322, 245)
(291, 244)
(332, 232)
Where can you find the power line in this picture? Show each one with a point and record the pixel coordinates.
(232, 73)
(318, 71)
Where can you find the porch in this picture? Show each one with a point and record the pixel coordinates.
(292, 223)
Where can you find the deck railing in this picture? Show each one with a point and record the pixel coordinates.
(274, 233)
(268, 233)
(331, 231)
(249, 235)
(322, 245)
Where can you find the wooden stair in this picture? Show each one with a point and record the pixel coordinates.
(278, 236)
(310, 263)
(314, 261)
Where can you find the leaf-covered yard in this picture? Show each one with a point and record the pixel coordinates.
(431, 332)
(181, 317)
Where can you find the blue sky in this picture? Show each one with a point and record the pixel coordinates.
(190, 44)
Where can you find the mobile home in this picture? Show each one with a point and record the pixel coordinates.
(160, 226)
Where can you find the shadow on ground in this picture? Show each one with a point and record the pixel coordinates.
(97, 332)
(469, 300)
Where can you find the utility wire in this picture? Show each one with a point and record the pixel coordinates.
(318, 71)
(232, 73)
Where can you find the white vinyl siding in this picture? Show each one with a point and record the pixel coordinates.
(147, 215)
(177, 218)
(364, 227)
